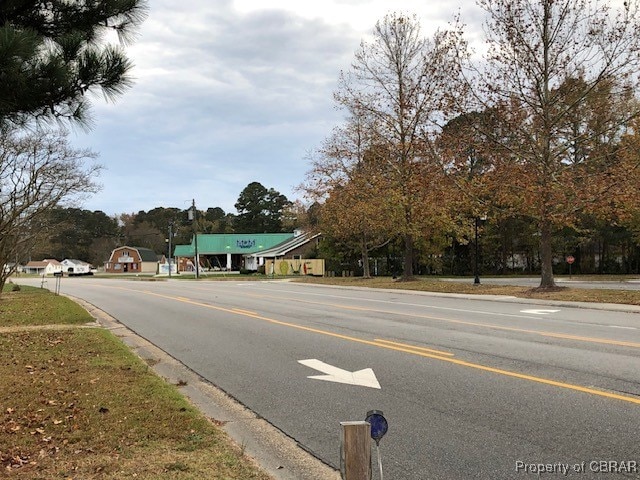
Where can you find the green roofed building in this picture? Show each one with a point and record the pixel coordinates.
(227, 251)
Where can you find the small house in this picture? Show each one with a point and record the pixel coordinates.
(45, 267)
(127, 259)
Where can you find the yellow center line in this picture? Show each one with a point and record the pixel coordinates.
(593, 340)
(414, 347)
(245, 312)
(413, 351)
(563, 336)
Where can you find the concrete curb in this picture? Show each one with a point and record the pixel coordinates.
(275, 452)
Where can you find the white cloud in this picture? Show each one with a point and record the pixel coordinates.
(230, 92)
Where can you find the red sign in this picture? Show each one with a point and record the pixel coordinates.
(570, 259)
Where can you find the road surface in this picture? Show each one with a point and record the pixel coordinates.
(471, 388)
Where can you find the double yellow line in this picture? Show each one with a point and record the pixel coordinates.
(542, 333)
(407, 348)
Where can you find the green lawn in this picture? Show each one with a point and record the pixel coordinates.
(428, 284)
(77, 403)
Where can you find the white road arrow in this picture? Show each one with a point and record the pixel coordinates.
(363, 378)
(539, 312)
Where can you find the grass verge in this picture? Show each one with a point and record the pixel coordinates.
(76, 403)
(629, 297)
(37, 306)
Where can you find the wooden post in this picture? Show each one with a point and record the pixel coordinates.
(355, 448)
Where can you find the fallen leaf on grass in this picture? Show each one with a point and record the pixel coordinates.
(18, 461)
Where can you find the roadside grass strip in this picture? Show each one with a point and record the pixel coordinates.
(428, 284)
(37, 306)
(76, 403)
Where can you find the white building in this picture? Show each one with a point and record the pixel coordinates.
(72, 267)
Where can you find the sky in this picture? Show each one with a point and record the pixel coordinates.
(228, 92)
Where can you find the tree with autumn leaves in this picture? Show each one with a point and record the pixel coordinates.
(396, 92)
(542, 131)
(348, 174)
(561, 77)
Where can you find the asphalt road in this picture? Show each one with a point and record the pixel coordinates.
(471, 388)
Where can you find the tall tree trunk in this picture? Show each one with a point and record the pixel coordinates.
(407, 274)
(546, 255)
(366, 272)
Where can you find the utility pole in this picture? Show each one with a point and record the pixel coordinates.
(170, 236)
(193, 216)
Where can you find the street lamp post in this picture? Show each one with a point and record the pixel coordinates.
(170, 236)
(194, 217)
(476, 280)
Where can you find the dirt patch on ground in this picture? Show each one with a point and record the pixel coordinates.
(544, 290)
(31, 328)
